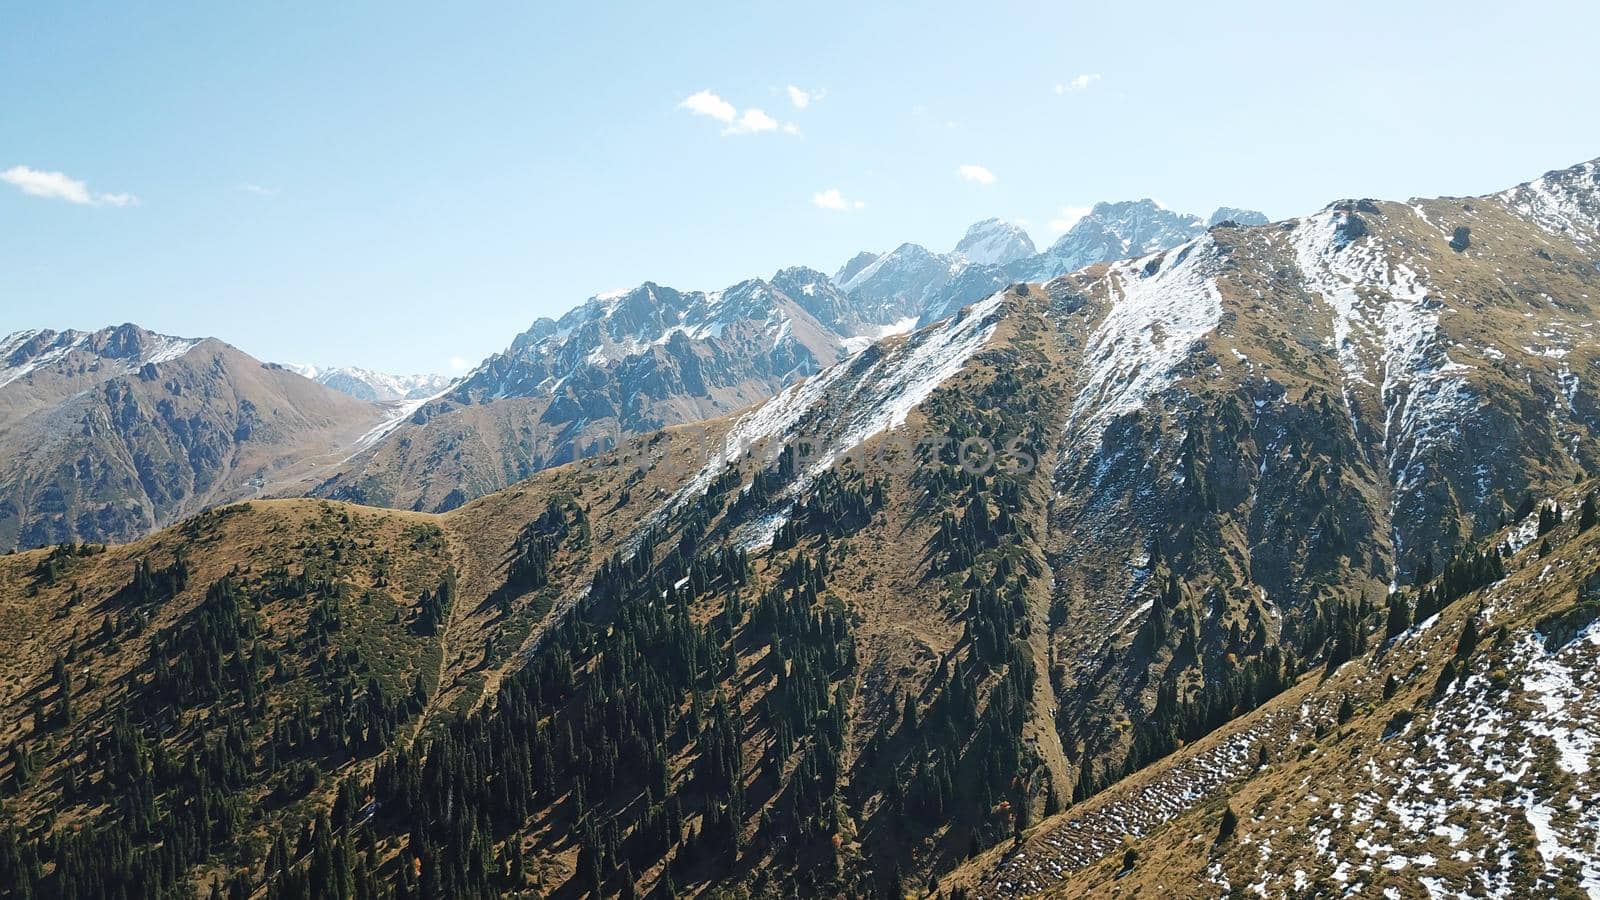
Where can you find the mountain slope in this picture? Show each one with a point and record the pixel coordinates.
(1451, 757)
(110, 434)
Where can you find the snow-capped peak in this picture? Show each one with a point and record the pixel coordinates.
(995, 242)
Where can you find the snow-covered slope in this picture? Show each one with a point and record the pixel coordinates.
(795, 320)
(1235, 215)
(1386, 333)
(831, 414)
(1565, 202)
(1160, 306)
(905, 279)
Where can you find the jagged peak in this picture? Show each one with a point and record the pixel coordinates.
(853, 265)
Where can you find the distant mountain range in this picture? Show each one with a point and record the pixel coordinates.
(366, 384)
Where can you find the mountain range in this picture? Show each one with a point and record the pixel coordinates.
(1262, 561)
(631, 362)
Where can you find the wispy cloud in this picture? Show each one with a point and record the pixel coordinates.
(751, 121)
(832, 199)
(1080, 83)
(60, 186)
(1068, 218)
(458, 364)
(258, 190)
(800, 97)
(976, 173)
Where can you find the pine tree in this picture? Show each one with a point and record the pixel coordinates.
(1230, 822)
(1587, 514)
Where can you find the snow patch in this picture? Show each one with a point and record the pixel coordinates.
(1161, 305)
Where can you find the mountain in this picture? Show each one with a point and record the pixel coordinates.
(853, 265)
(958, 611)
(621, 364)
(379, 387)
(1236, 216)
(1118, 231)
(994, 242)
(904, 279)
(106, 435)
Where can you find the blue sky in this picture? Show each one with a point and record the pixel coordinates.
(401, 185)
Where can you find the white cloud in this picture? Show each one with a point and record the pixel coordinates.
(258, 190)
(60, 186)
(1080, 83)
(752, 121)
(832, 199)
(1068, 218)
(708, 104)
(799, 97)
(457, 364)
(791, 128)
(976, 173)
